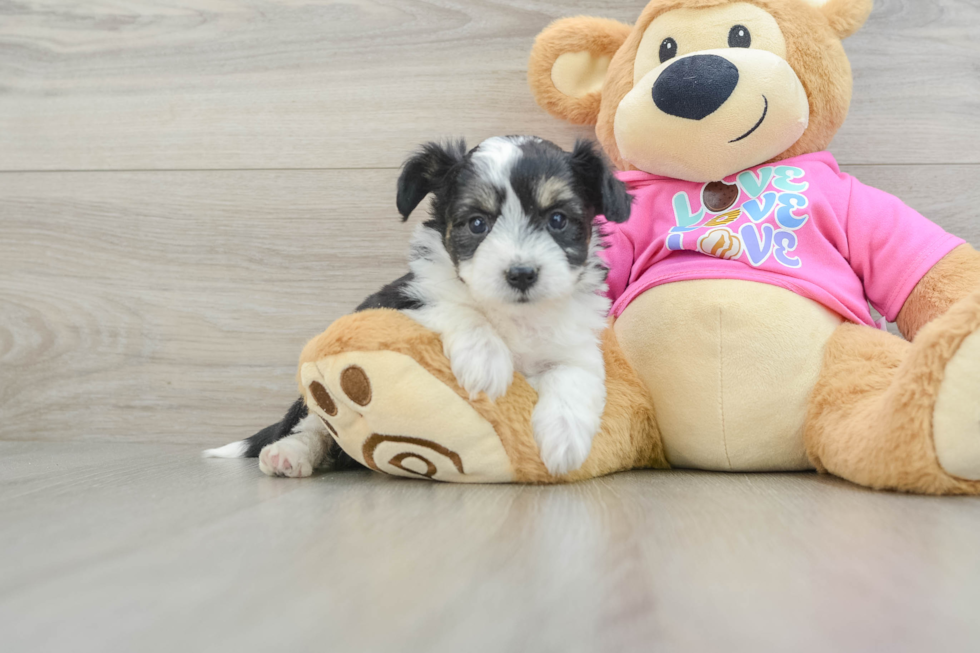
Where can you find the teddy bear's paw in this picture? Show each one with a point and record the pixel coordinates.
(956, 416)
(481, 362)
(287, 457)
(390, 414)
(564, 433)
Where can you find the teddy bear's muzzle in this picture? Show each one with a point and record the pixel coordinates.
(707, 115)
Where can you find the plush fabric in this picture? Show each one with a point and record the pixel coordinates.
(729, 365)
(956, 417)
(599, 38)
(872, 411)
(813, 50)
(405, 409)
(955, 276)
(717, 371)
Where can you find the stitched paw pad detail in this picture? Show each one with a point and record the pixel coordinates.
(391, 415)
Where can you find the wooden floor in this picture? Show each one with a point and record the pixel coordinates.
(147, 547)
(190, 190)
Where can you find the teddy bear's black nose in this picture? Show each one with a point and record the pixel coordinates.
(695, 87)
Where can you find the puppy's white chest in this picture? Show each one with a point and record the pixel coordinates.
(532, 343)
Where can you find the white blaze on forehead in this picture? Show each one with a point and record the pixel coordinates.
(495, 157)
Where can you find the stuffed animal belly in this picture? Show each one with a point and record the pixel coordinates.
(730, 365)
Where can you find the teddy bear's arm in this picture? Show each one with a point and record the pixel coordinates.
(953, 278)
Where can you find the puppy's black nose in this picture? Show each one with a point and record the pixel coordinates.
(521, 277)
(695, 87)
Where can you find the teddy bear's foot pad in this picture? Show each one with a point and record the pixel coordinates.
(391, 415)
(956, 419)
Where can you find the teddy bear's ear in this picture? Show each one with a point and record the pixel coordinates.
(568, 66)
(845, 16)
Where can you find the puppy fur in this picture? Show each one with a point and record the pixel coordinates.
(507, 270)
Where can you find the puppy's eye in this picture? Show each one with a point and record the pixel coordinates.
(668, 49)
(478, 225)
(557, 221)
(739, 37)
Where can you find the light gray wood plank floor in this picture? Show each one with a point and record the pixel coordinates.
(147, 547)
(190, 190)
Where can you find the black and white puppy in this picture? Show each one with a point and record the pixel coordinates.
(507, 271)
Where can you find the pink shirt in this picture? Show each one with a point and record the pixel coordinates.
(800, 224)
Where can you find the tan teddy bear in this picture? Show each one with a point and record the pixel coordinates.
(742, 338)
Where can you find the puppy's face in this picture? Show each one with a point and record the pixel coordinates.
(516, 214)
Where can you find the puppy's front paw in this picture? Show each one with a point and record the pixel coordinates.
(564, 433)
(481, 364)
(287, 457)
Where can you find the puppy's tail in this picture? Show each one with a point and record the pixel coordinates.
(231, 450)
(250, 447)
(247, 448)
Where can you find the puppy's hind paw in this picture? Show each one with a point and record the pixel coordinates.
(287, 457)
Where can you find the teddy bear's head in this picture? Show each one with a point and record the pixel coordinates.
(701, 89)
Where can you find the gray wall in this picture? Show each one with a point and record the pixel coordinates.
(187, 196)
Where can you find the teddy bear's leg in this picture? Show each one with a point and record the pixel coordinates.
(890, 414)
(385, 391)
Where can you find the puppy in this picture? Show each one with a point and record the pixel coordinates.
(507, 271)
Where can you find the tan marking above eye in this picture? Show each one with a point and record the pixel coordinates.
(485, 199)
(552, 190)
(696, 30)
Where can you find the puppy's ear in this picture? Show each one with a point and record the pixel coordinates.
(426, 171)
(568, 66)
(607, 194)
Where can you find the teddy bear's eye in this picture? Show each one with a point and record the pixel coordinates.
(668, 49)
(739, 37)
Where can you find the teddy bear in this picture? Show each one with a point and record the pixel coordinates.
(741, 336)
